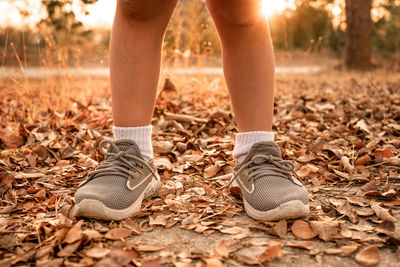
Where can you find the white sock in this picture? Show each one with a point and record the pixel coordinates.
(141, 135)
(244, 141)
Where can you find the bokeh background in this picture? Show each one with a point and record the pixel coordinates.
(361, 34)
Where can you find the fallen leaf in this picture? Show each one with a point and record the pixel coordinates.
(121, 257)
(246, 259)
(149, 248)
(158, 220)
(332, 251)
(348, 250)
(304, 245)
(118, 233)
(222, 249)
(382, 213)
(74, 234)
(92, 234)
(302, 229)
(325, 230)
(383, 153)
(131, 225)
(69, 249)
(364, 160)
(370, 186)
(232, 230)
(368, 256)
(211, 171)
(272, 252)
(97, 252)
(386, 227)
(279, 229)
(212, 262)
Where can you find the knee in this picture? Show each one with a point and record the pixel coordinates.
(234, 13)
(145, 10)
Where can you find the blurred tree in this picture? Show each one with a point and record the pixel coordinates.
(358, 34)
(306, 27)
(386, 36)
(61, 21)
(65, 36)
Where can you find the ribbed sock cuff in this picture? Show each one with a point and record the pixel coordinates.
(141, 135)
(245, 140)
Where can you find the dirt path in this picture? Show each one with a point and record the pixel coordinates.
(341, 131)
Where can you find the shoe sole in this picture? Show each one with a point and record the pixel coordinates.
(91, 208)
(289, 210)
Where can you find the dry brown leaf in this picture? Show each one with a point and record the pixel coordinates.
(356, 201)
(279, 229)
(386, 227)
(332, 251)
(368, 256)
(97, 252)
(69, 249)
(118, 233)
(211, 171)
(212, 262)
(163, 163)
(304, 245)
(6, 180)
(246, 259)
(272, 252)
(325, 230)
(383, 153)
(232, 230)
(348, 211)
(382, 213)
(92, 234)
(122, 257)
(348, 250)
(74, 234)
(222, 249)
(131, 225)
(346, 164)
(149, 248)
(302, 229)
(364, 160)
(370, 186)
(158, 220)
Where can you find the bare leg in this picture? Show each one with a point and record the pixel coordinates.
(135, 57)
(248, 61)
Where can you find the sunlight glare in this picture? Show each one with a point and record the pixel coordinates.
(271, 7)
(336, 10)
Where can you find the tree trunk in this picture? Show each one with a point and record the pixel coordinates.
(358, 34)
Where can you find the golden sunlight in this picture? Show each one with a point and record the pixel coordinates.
(271, 7)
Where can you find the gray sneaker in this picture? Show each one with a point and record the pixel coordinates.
(116, 189)
(270, 192)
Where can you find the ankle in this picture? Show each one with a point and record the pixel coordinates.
(245, 140)
(141, 135)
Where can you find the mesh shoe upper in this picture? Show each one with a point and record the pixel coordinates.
(121, 179)
(265, 179)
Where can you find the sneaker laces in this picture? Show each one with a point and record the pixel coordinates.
(263, 165)
(118, 163)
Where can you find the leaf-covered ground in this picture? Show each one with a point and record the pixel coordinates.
(342, 131)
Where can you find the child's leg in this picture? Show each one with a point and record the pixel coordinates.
(248, 61)
(135, 56)
(115, 190)
(269, 190)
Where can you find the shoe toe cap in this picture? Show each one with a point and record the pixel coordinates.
(269, 196)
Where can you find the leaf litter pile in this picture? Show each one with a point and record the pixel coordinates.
(342, 134)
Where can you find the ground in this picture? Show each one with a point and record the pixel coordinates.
(341, 130)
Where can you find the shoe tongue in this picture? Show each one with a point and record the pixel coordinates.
(264, 148)
(129, 146)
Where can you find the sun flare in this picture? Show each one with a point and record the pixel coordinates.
(271, 7)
